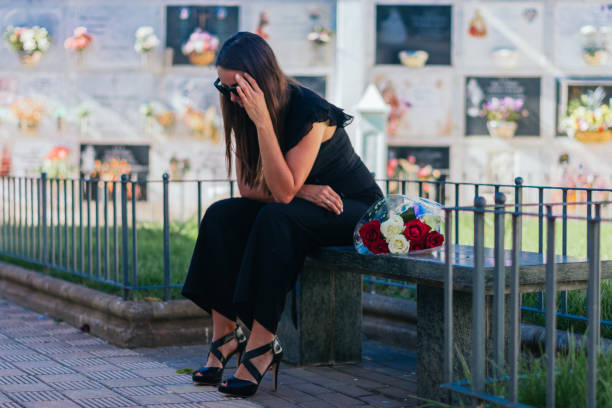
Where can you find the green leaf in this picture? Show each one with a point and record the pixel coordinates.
(185, 371)
(408, 215)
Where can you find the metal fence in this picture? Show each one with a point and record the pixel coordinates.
(88, 228)
(505, 365)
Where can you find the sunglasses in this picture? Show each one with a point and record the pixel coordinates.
(224, 89)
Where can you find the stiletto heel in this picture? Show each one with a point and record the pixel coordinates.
(276, 376)
(213, 375)
(244, 388)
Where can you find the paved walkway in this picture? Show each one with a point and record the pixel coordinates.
(44, 363)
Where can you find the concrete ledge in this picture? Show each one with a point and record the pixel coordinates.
(123, 323)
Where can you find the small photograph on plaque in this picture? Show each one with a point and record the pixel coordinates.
(195, 33)
(413, 35)
(502, 107)
(107, 162)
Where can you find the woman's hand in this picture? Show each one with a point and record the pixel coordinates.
(253, 100)
(323, 196)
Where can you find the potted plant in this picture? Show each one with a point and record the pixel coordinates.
(29, 42)
(201, 47)
(588, 119)
(594, 48)
(502, 115)
(28, 113)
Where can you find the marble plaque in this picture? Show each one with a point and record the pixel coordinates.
(478, 90)
(421, 104)
(181, 21)
(286, 28)
(502, 35)
(572, 38)
(113, 27)
(411, 28)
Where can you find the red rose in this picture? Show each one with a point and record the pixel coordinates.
(417, 245)
(379, 247)
(370, 233)
(434, 239)
(416, 230)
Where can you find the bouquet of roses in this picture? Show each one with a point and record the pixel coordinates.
(398, 225)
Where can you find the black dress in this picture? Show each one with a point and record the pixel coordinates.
(248, 253)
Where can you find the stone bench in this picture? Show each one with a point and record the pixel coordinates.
(329, 310)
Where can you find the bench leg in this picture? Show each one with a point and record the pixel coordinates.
(329, 318)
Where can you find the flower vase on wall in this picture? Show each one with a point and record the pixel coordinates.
(501, 129)
(30, 60)
(319, 54)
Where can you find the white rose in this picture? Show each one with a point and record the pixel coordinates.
(392, 227)
(398, 245)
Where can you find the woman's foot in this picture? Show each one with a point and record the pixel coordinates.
(259, 337)
(230, 341)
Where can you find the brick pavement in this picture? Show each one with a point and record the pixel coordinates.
(45, 363)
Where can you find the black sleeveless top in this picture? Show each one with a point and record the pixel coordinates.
(337, 165)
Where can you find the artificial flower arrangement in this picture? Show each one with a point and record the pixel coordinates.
(79, 41)
(588, 119)
(507, 109)
(146, 40)
(201, 47)
(29, 42)
(203, 124)
(28, 113)
(319, 34)
(57, 163)
(502, 115)
(399, 225)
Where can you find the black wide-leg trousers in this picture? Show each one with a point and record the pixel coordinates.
(248, 254)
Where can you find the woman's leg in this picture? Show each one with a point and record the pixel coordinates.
(215, 264)
(280, 239)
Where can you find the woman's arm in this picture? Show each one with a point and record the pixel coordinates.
(284, 175)
(259, 193)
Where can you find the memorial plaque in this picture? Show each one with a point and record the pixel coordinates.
(421, 104)
(286, 29)
(113, 29)
(481, 89)
(438, 157)
(569, 89)
(411, 28)
(582, 36)
(494, 33)
(316, 83)
(110, 161)
(182, 21)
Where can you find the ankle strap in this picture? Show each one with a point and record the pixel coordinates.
(214, 347)
(274, 345)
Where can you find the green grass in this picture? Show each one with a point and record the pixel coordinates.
(571, 367)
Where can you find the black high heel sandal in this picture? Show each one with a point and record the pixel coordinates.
(243, 388)
(213, 375)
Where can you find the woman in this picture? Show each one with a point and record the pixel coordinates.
(302, 186)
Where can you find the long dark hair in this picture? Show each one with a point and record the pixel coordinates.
(250, 53)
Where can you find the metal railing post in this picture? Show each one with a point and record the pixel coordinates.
(478, 299)
(448, 299)
(166, 238)
(551, 310)
(499, 282)
(124, 234)
(45, 246)
(593, 305)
